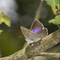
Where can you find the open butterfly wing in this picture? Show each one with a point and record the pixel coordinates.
(38, 28)
(30, 35)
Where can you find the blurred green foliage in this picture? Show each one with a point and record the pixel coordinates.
(54, 4)
(55, 20)
(5, 19)
(1, 31)
(10, 43)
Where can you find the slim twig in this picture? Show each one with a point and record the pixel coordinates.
(57, 25)
(38, 11)
(57, 55)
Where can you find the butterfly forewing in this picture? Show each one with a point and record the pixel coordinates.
(30, 35)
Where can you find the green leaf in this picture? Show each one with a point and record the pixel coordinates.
(58, 5)
(5, 19)
(56, 20)
(53, 4)
(1, 31)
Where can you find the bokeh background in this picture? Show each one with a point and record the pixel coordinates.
(22, 13)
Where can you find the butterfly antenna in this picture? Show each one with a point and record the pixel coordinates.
(20, 36)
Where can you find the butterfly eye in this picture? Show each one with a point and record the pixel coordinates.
(36, 30)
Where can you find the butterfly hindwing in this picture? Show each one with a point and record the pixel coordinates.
(43, 33)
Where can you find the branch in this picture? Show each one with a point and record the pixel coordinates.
(37, 48)
(38, 11)
(57, 55)
(16, 56)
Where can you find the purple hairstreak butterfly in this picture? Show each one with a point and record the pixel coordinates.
(36, 32)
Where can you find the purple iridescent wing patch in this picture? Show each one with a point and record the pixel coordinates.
(36, 30)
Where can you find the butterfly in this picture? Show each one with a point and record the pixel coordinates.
(35, 33)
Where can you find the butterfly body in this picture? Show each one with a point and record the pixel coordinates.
(36, 32)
